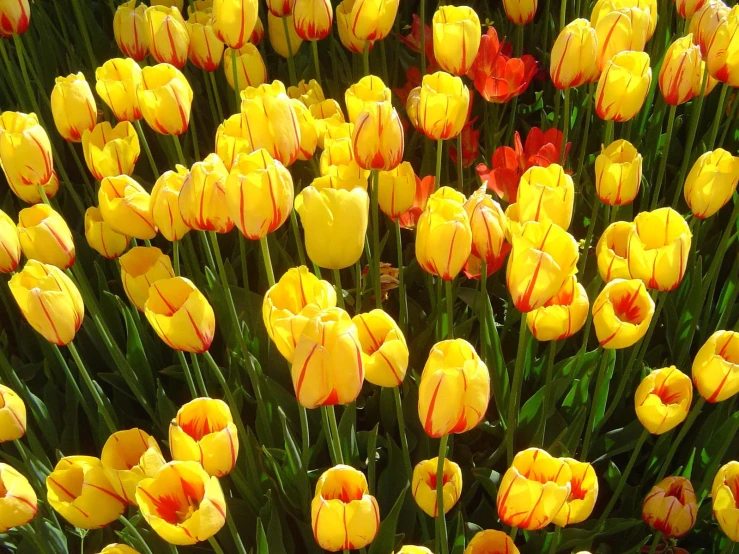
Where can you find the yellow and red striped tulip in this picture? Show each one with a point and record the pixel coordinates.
(396, 190)
(73, 107)
(367, 91)
(716, 367)
(575, 55)
(583, 494)
(370, 19)
(205, 50)
(12, 417)
(705, 21)
(117, 548)
(488, 224)
(313, 19)
(45, 236)
(116, 82)
(442, 106)
(384, 349)
(604, 7)
(612, 249)
(520, 12)
(111, 151)
(10, 246)
(142, 267)
(622, 313)
(165, 99)
(711, 182)
(681, 75)
(235, 20)
(687, 8)
(670, 507)
(165, 204)
(203, 197)
(424, 485)
(456, 34)
(279, 8)
(101, 237)
(410, 549)
(15, 16)
(284, 43)
(491, 541)
(618, 173)
(622, 30)
(723, 492)
(18, 505)
(170, 40)
(308, 132)
(329, 121)
(131, 30)
(309, 93)
(546, 194)
(250, 68)
(563, 315)
(232, 139)
(128, 457)
(623, 86)
(126, 207)
(662, 400)
(722, 55)
(345, 27)
(378, 138)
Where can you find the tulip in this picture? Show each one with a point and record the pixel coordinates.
(141, 267)
(279, 8)
(623, 86)
(81, 493)
(309, 93)
(470, 145)
(618, 172)
(327, 366)
(45, 236)
(583, 494)
(716, 367)
(671, 507)
(410, 549)
(491, 541)
(622, 313)
(488, 224)
(234, 21)
(249, 66)
(687, 8)
(131, 30)
(520, 12)
(205, 49)
(411, 107)
(611, 251)
(604, 7)
(546, 194)
(396, 190)
(456, 38)
(308, 132)
(722, 52)
(203, 197)
(724, 497)
(705, 21)
(574, 55)
(329, 121)
(312, 18)
(563, 315)
(338, 159)
(126, 207)
(232, 139)
(10, 246)
(165, 204)
(621, 30)
(663, 399)
(360, 96)
(658, 247)
(257, 35)
(14, 18)
(443, 106)
(128, 457)
(117, 548)
(681, 75)
(182, 503)
(345, 26)
(371, 19)
(12, 419)
(384, 349)
(203, 431)
(116, 82)
(18, 504)
(165, 98)
(533, 490)
(515, 227)
(73, 106)
(285, 44)
(170, 40)
(111, 151)
(378, 138)
(424, 485)
(711, 182)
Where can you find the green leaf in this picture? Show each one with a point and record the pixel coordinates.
(262, 543)
(385, 540)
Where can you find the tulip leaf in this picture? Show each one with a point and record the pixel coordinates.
(458, 537)
(135, 353)
(601, 397)
(372, 458)
(569, 439)
(262, 543)
(679, 339)
(348, 434)
(298, 474)
(385, 540)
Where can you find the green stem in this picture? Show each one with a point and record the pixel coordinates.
(365, 58)
(555, 540)
(85, 34)
(135, 532)
(212, 540)
(235, 413)
(305, 435)
(335, 433)
(176, 257)
(515, 393)
(264, 245)
(83, 173)
(235, 71)
(655, 542)
(513, 533)
(590, 427)
(729, 548)
(719, 116)
(460, 169)
(449, 309)
(188, 374)
(441, 539)
(339, 289)
(383, 57)
(147, 150)
(216, 96)
(439, 149)
(402, 298)
(178, 149)
(566, 129)
(694, 118)
(663, 158)
(684, 428)
(102, 408)
(401, 433)
(624, 476)
(422, 17)
(327, 432)
(374, 201)
(10, 71)
(548, 393)
(316, 60)
(562, 15)
(296, 235)
(359, 287)
(730, 122)
(234, 532)
(710, 472)
(199, 381)
(290, 54)
(21, 52)
(519, 40)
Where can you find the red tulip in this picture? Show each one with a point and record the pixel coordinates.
(424, 188)
(413, 41)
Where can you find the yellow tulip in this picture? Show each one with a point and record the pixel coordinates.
(663, 399)
(442, 106)
(612, 249)
(234, 21)
(203, 431)
(73, 107)
(623, 86)
(339, 153)
(618, 172)
(111, 151)
(81, 493)
(716, 367)
(279, 39)
(131, 30)
(165, 99)
(563, 315)
(671, 507)
(378, 138)
(396, 190)
(14, 18)
(279, 8)
(232, 139)
(622, 313)
(45, 236)
(187, 491)
(117, 548)
(179, 4)
(711, 182)
(345, 27)
(313, 19)
(371, 19)
(658, 247)
(574, 55)
(520, 12)
(621, 30)
(12, 418)
(259, 194)
(142, 267)
(533, 490)
(165, 204)
(491, 541)
(368, 91)
(723, 52)
(457, 35)
(101, 237)
(410, 549)
(681, 75)
(126, 207)
(329, 121)
(705, 21)
(18, 505)
(424, 485)
(116, 82)
(488, 224)
(205, 49)
(725, 498)
(583, 494)
(384, 349)
(203, 197)
(10, 246)
(308, 133)
(128, 457)
(327, 366)
(180, 314)
(546, 194)
(170, 40)
(249, 67)
(456, 371)
(604, 7)
(344, 515)
(309, 93)
(290, 303)
(687, 8)
(411, 107)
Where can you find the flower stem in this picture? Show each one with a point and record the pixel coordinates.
(557, 531)
(339, 289)
(548, 393)
(422, 16)
(216, 96)
(718, 117)
(402, 298)
(72, 382)
(365, 58)
(334, 433)
(449, 310)
(655, 542)
(176, 256)
(327, 432)
(684, 428)
(188, 374)
(605, 356)
(264, 245)
(305, 435)
(374, 200)
(694, 118)
(316, 60)
(216, 547)
(235, 71)
(290, 54)
(663, 158)
(198, 375)
(401, 433)
(439, 149)
(135, 532)
(441, 538)
(234, 532)
(102, 408)
(624, 476)
(730, 122)
(460, 169)
(296, 235)
(235, 413)
(147, 150)
(566, 127)
(178, 148)
(515, 394)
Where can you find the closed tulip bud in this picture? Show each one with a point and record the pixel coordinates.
(705, 21)
(12, 420)
(725, 497)
(232, 139)
(14, 18)
(330, 122)
(410, 549)
(384, 350)
(345, 26)
(141, 267)
(442, 106)
(327, 366)
(533, 490)
(657, 250)
(723, 52)
(101, 237)
(424, 486)
(79, 490)
(10, 246)
(621, 30)
(612, 249)
(371, 20)
(165, 98)
(491, 541)
(180, 314)
(618, 172)
(339, 153)
(622, 313)
(116, 82)
(203, 197)
(118, 548)
(259, 194)
(687, 8)
(73, 107)
(170, 40)
(623, 86)
(671, 507)
(249, 67)
(257, 35)
(234, 21)
(45, 236)
(128, 457)
(111, 151)
(126, 207)
(49, 301)
(309, 93)
(18, 503)
(604, 7)
(186, 490)
(583, 494)
(205, 49)
(131, 30)
(663, 399)
(313, 19)
(563, 315)
(411, 107)
(520, 12)
(574, 56)
(368, 91)
(165, 204)
(457, 35)
(378, 138)
(279, 8)
(488, 224)
(396, 190)
(546, 194)
(203, 431)
(716, 367)
(711, 182)
(344, 515)
(279, 39)
(682, 70)
(308, 133)
(179, 4)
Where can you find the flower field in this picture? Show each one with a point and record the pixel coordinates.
(370, 276)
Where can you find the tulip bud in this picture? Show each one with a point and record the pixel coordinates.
(116, 82)
(411, 107)
(384, 349)
(723, 492)
(203, 197)
(329, 121)
(342, 495)
(18, 505)
(396, 190)
(279, 8)
(232, 139)
(128, 457)
(378, 138)
(457, 35)
(716, 367)
(73, 106)
(126, 207)
(410, 549)
(705, 21)
(234, 21)
(165, 204)
(546, 194)
(80, 492)
(711, 182)
(12, 421)
(687, 8)
(45, 236)
(141, 267)
(10, 246)
(657, 250)
(257, 35)
(360, 96)
(563, 315)
(583, 494)
(671, 507)
(424, 485)
(618, 172)
(277, 37)
(722, 52)
(312, 18)
(623, 86)
(663, 399)
(170, 40)
(533, 490)
(184, 489)
(488, 224)
(205, 49)
(491, 541)
(309, 93)
(179, 4)
(259, 194)
(371, 20)
(574, 56)
(612, 249)
(131, 30)
(681, 75)
(345, 26)
(308, 133)
(14, 19)
(111, 151)
(604, 7)
(621, 30)
(622, 313)
(520, 12)
(165, 98)
(118, 548)
(443, 106)
(249, 66)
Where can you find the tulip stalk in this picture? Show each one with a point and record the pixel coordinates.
(663, 158)
(316, 60)
(290, 58)
(198, 375)
(566, 129)
(719, 115)
(449, 310)
(214, 544)
(599, 383)
(439, 150)
(215, 96)
(365, 57)
(555, 539)
(102, 408)
(131, 528)
(687, 424)
(729, 123)
(187, 373)
(10, 72)
(264, 246)
(296, 235)
(460, 169)
(147, 150)
(539, 437)
(624, 476)
(441, 537)
(235, 70)
(339, 289)
(402, 299)
(515, 394)
(655, 542)
(375, 205)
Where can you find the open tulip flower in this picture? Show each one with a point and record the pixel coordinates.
(116, 82)
(111, 151)
(663, 399)
(491, 541)
(126, 207)
(117, 548)
(716, 367)
(583, 494)
(18, 502)
(384, 348)
(128, 457)
(611, 251)
(424, 486)
(141, 267)
(622, 313)
(671, 507)
(563, 315)
(724, 494)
